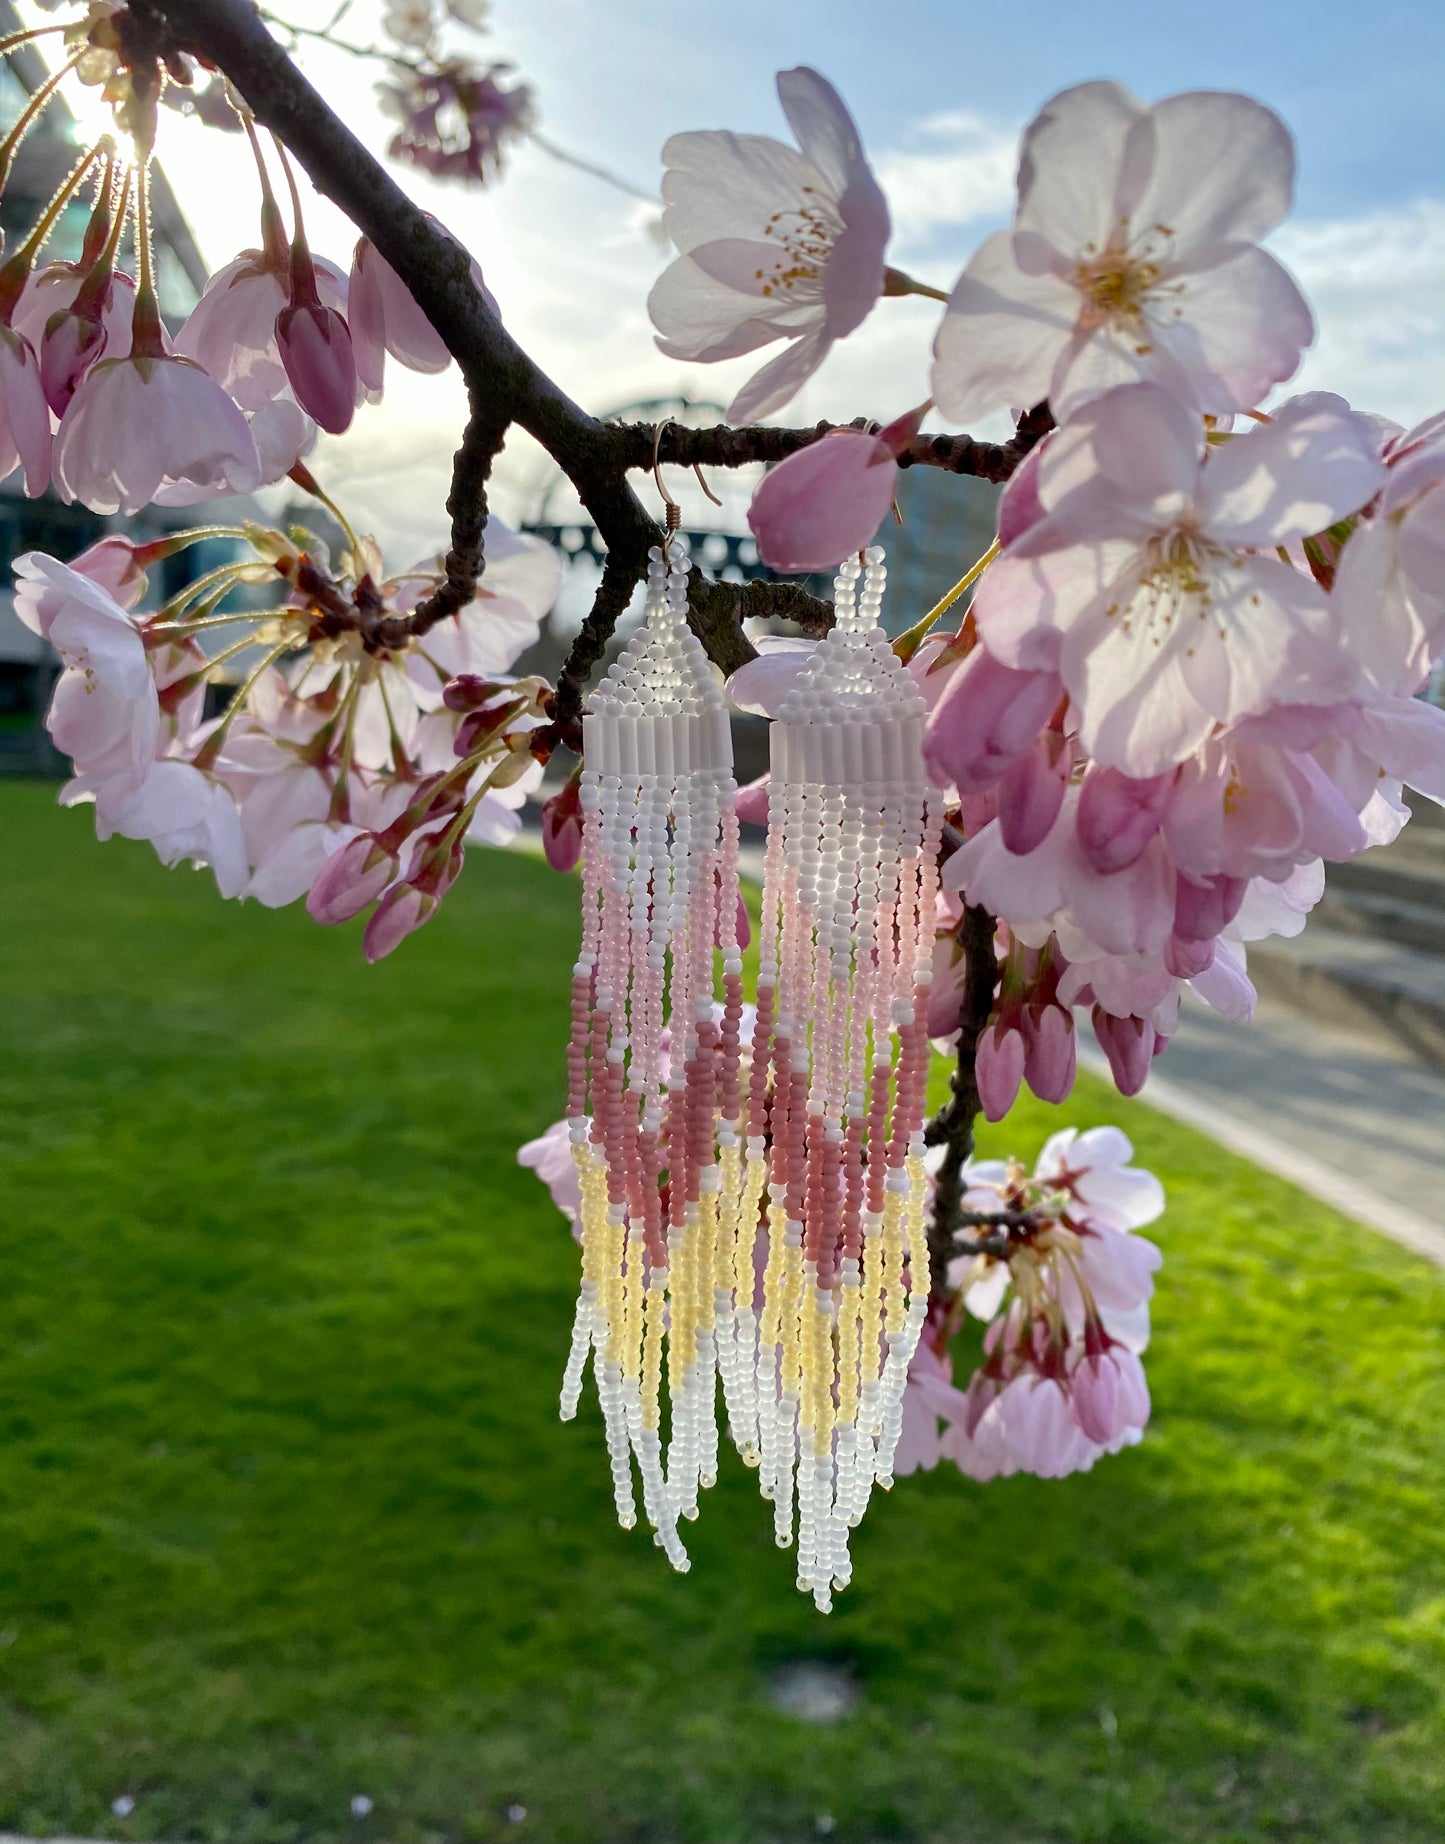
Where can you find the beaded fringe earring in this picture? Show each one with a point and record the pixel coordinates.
(846, 952)
(655, 1101)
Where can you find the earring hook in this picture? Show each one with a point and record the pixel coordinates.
(672, 512)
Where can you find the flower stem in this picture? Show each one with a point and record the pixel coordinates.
(898, 282)
(211, 748)
(16, 272)
(908, 644)
(605, 174)
(11, 143)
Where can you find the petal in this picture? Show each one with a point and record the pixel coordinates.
(1222, 171)
(1235, 329)
(825, 131)
(769, 389)
(1291, 477)
(1022, 605)
(1266, 638)
(1069, 165)
(720, 184)
(761, 686)
(1001, 333)
(699, 318)
(824, 502)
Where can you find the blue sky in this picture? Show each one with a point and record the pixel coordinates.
(940, 90)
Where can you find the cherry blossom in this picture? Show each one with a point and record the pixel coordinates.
(105, 714)
(1151, 583)
(1133, 257)
(1067, 1309)
(384, 318)
(24, 415)
(231, 331)
(775, 243)
(137, 424)
(186, 815)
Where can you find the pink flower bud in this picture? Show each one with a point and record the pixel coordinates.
(744, 924)
(1118, 816)
(1186, 960)
(1110, 1394)
(1129, 1045)
(70, 346)
(401, 912)
(1049, 1051)
(468, 691)
(1204, 910)
(999, 1069)
(828, 500)
(989, 716)
(562, 826)
(751, 803)
(1031, 792)
(315, 348)
(351, 879)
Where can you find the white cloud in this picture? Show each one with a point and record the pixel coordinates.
(958, 170)
(1377, 285)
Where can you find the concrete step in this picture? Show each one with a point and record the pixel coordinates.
(1388, 988)
(1400, 870)
(1403, 920)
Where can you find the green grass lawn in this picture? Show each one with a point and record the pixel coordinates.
(286, 1513)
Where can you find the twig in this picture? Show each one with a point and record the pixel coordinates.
(952, 1127)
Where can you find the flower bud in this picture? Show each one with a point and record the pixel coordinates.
(999, 1069)
(1129, 1044)
(315, 348)
(1031, 792)
(986, 720)
(1119, 816)
(351, 879)
(562, 825)
(1048, 1032)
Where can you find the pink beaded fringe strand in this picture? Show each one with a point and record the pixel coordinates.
(653, 1072)
(844, 973)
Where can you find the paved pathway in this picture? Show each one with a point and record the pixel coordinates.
(1353, 1122)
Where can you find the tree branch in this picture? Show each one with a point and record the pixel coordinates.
(952, 1128)
(505, 385)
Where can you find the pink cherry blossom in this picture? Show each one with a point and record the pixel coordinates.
(988, 718)
(1110, 1394)
(384, 318)
(137, 424)
(185, 814)
(24, 414)
(1132, 257)
(1390, 584)
(999, 1069)
(1151, 585)
(105, 714)
(928, 1399)
(776, 243)
(828, 500)
(352, 879)
(231, 332)
(550, 1157)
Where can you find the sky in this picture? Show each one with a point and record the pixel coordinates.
(940, 90)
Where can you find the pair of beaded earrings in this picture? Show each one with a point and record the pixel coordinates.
(753, 1212)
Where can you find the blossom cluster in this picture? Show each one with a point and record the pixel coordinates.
(346, 773)
(1066, 1314)
(1188, 676)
